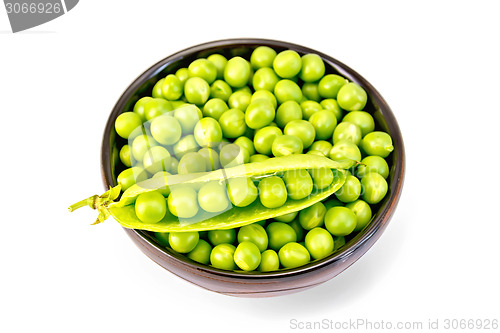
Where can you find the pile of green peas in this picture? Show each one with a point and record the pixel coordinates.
(219, 113)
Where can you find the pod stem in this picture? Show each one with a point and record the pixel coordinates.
(99, 202)
(85, 202)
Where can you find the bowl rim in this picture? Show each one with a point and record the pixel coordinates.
(376, 226)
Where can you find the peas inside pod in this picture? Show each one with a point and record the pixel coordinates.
(260, 162)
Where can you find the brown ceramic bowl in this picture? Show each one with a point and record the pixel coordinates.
(256, 284)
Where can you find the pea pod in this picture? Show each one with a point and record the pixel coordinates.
(123, 210)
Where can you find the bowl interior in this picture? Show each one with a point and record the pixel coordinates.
(376, 106)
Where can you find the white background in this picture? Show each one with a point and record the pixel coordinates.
(437, 65)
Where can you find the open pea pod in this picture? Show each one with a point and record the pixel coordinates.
(123, 210)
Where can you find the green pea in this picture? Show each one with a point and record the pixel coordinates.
(264, 79)
(319, 242)
(373, 164)
(280, 234)
(204, 69)
(363, 213)
(245, 89)
(287, 64)
(266, 95)
(185, 145)
(340, 221)
(293, 255)
(330, 84)
(162, 238)
(201, 252)
(183, 242)
(196, 90)
(309, 108)
(232, 123)
(258, 158)
(310, 91)
(312, 216)
(299, 231)
(324, 123)
(246, 143)
(377, 143)
(247, 256)
(217, 237)
(219, 62)
(321, 146)
(150, 207)
(232, 155)
(237, 72)
(269, 261)
(220, 89)
(166, 129)
(173, 165)
(264, 138)
(321, 149)
(352, 97)
(211, 158)
(131, 176)
(350, 191)
(139, 107)
(259, 114)
(313, 68)
(156, 159)
(287, 217)
(322, 177)
(208, 132)
(302, 129)
(164, 189)
(156, 92)
(345, 150)
(222, 257)
(140, 145)
(287, 90)
(262, 56)
(272, 192)
(254, 233)
(333, 106)
(182, 74)
(240, 100)
(191, 162)
(285, 145)
(346, 131)
(126, 123)
(188, 116)
(183, 202)
(214, 108)
(172, 88)
(299, 183)
(212, 197)
(363, 119)
(332, 202)
(156, 107)
(287, 112)
(125, 156)
(374, 188)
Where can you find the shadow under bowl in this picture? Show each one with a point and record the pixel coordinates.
(256, 284)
